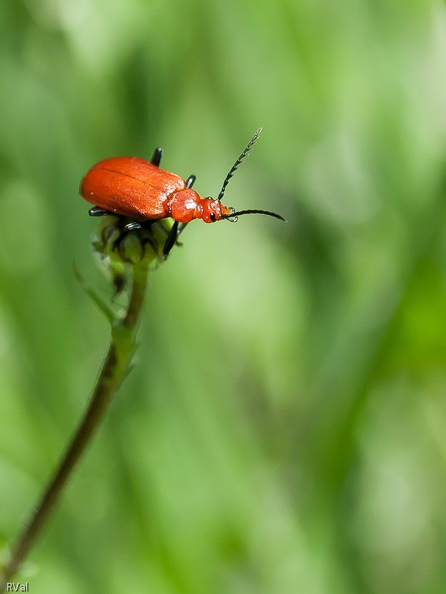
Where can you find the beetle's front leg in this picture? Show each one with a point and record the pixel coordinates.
(97, 211)
(171, 238)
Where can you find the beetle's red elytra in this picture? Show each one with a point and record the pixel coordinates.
(138, 189)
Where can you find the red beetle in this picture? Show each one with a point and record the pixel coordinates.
(140, 190)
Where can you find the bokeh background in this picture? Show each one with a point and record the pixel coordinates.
(283, 430)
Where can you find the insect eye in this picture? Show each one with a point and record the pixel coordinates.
(212, 217)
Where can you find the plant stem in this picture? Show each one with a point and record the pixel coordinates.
(113, 372)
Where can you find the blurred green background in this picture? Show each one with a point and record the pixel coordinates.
(283, 430)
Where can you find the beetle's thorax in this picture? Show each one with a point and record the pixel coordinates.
(186, 205)
(183, 204)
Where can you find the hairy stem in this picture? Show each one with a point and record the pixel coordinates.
(113, 372)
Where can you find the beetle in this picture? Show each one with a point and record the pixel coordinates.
(139, 189)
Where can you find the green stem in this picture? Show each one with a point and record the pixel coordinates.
(113, 372)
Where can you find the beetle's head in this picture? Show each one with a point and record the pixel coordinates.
(211, 210)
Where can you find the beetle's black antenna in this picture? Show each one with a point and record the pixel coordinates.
(234, 215)
(237, 163)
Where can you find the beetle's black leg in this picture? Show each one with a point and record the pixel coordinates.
(190, 181)
(133, 226)
(181, 228)
(97, 211)
(156, 159)
(171, 239)
(124, 231)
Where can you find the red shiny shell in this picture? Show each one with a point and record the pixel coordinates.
(131, 186)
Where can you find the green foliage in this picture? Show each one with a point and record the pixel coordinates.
(283, 429)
